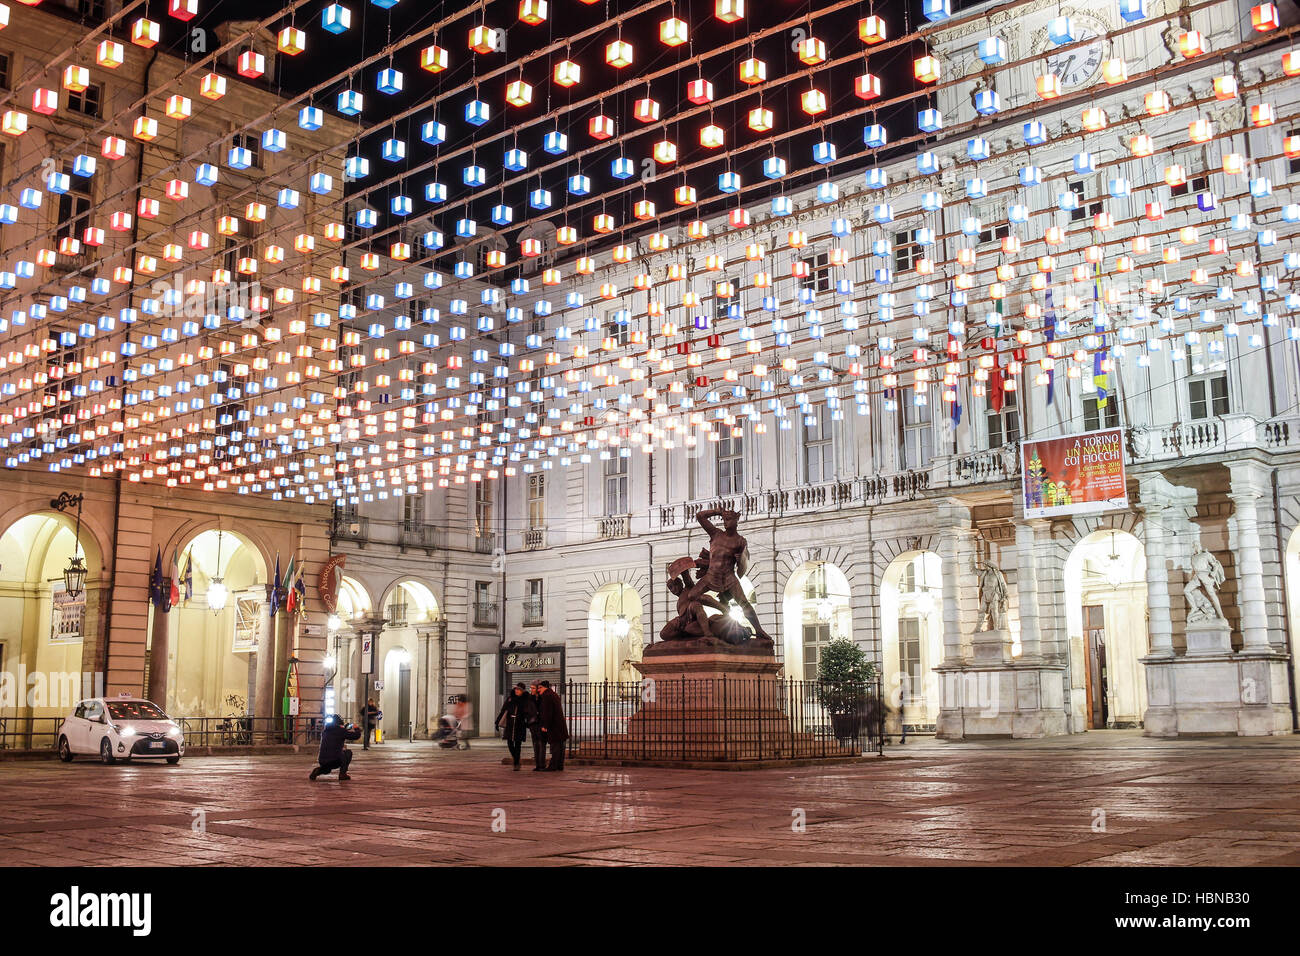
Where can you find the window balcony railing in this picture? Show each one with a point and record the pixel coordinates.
(533, 615)
(485, 543)
(429, 537)
(614, 526)
(485, 614)
(534, 539)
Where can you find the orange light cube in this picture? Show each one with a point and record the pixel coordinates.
(110, 54)
(872, 30)
(145, 33)
(753, 71)
(673, 32)
(567, 73)
(813, 101)
(619, 54)
(760, 119)
(76, 79)
(729, 11)
(519, 93)
(434, 59)
(213, 86)
(812, 51)
(927, 69)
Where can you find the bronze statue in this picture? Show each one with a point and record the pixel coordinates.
(715, 587)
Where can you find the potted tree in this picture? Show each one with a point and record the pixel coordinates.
(843, 673)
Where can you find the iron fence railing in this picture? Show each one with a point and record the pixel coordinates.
(724, 719)
(41, 733)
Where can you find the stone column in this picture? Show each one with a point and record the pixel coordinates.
(264, 705)
(1249, 484)
(422, 661)
(157, 690)
(1031, 646)
(954, 552)
(1160, 627)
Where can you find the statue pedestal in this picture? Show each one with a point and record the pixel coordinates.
(1215, 691)
(707, 706)
(996, 695)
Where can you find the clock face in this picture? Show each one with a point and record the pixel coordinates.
(1080, 64)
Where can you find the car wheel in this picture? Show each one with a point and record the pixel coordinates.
(173, 760)
(65, 751)
(106, 751)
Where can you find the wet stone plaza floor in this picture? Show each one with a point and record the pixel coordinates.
(1101, 799)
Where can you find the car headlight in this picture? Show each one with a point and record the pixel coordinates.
(127, 731)
(176, 733)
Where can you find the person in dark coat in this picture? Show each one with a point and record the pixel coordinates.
(535, 728)
(333, 754)
(513, 719)
(550, 718)
(372, 716)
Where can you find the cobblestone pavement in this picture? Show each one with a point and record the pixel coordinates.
(1208, 802)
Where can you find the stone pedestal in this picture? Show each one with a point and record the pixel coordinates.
(705, 707)
(996, 695)
(1209, 637)
(1216, 693)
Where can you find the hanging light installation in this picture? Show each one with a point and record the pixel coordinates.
(217, 590)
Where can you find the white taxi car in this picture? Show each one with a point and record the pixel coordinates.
(120, 728)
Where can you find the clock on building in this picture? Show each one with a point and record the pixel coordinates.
(1078, 65)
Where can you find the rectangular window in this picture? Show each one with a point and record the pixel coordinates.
(485, 611)
(253, 144)
(995, 233)
(1085, 209)
(533, 606)
(89, 102)
(815, 639)
(1095, 418)
(618, 331)
(483, 509)
(909, 658)
(616, 497)
(412, 512)
(4, 71)
(1190, 187)
(818, 279)
(1208, 396)
(1004, 426)
(906, 251)
(722, 304)
(818, 446)
(537, 501)
(74, 208)
(917, 431)
(731, 464)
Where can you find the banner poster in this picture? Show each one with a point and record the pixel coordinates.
(1074, 474)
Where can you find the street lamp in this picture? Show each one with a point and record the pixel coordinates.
(217, 590)
(74, 575)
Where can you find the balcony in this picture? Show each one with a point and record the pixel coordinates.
(485, 543)
(533, 616)
(429, 537)
(485, 614)
(614, 526)
(350, 528)
(534, 539)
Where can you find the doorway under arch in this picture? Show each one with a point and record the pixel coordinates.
(614, 634)
(1106, 623)
(816, 610)
(215, 632)
(911, 624)
(43, 629)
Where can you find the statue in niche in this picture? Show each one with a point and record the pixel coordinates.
(1205, 577)
(993, 598)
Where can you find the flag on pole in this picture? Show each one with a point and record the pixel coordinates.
(156, 581)
(275, 587)
(187, 575)
(288, 585)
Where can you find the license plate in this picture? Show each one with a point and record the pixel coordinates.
(158, 744)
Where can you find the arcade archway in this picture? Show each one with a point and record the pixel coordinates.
(614, 635)
(817, 610)
(911, 622)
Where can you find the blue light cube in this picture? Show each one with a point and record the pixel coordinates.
(555, 142)
(239, 158)
(580, 185)
(477, 112)
(622, 168)
(882, 213)
(774, 167)
(977, 148)
(992, 50)
(828, 192)
(367, 218)
(474, 175)
(394, 150)
(987, 102)
(1018, 212)
(59, 182)
(1119, 188)
(874, 135)
(1261, 186)
(1085, 163)
(842, 227)
(932, 201)
(401, 205)
(84, 165)
(503, 215)
(540, 199)
(390, 81)
(824, 152)
(782, 205)
(1061, 30)
(356, 167)
(977, 188)
(321, 183)
(927, 164)
(729, 182)
(936, 10)
(929, 121)
(435, 192)
(516, 160)
(336, 18)
(433, 132)
(205, 174)
(877, 179)
(311, 118)
(1133, 10)
(350, 102)
(433, 239)
(1035, 133)
(1205, 202)
(466, 228)
(288, 198)
(1031, 176)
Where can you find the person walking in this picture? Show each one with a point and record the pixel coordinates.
(515, 715)
(371, 715)
(463, 711)
(333, 754)
(550, 718)
(535, 728)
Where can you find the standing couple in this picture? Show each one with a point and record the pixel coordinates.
(537, 709)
